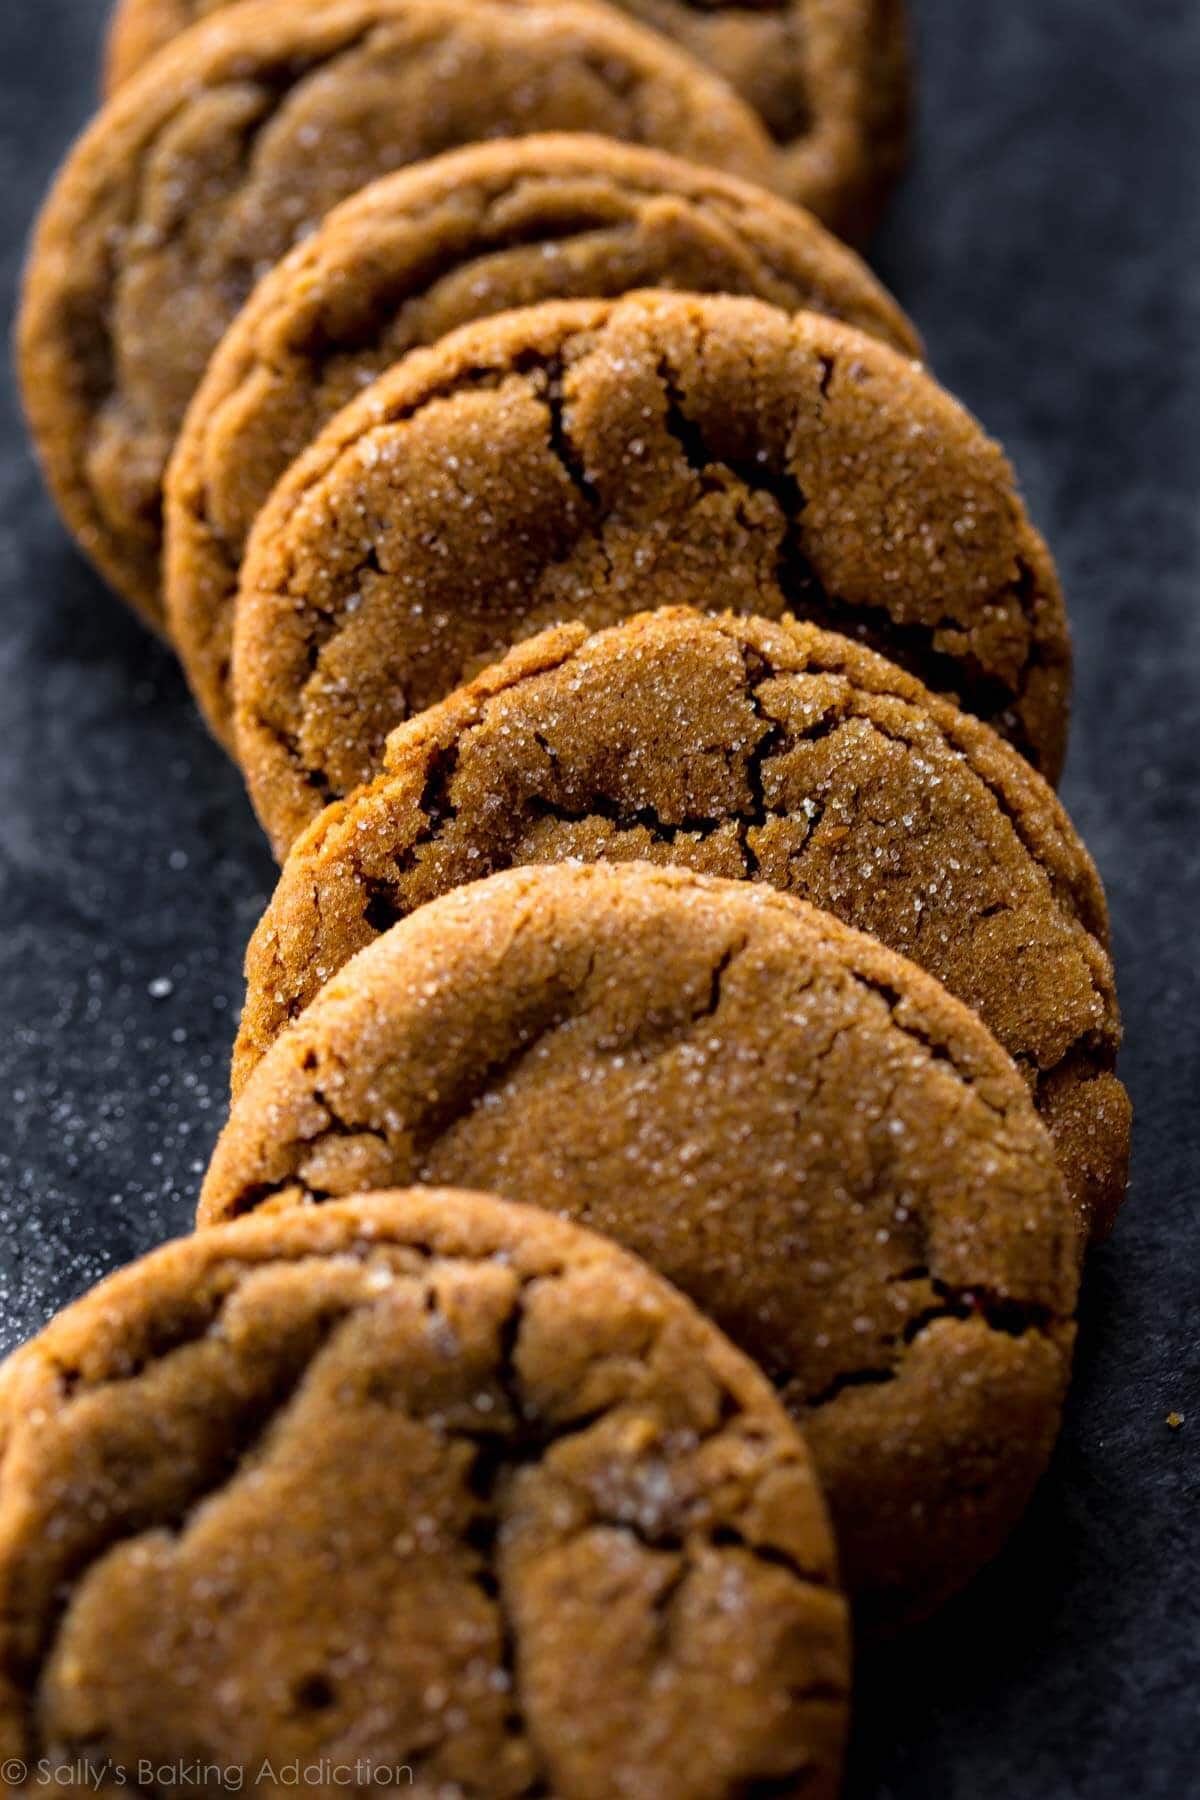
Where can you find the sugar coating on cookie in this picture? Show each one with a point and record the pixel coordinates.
(414, 256)
(830, 79)
(209, 166)
(757, 751)
(803, 1131)
(592, 459)
(427, 1482)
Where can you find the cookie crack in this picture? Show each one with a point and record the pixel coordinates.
(250, 1432)
(910, 646)
(771, 1556)
(547, 380)
(601, 806)
(499, 1461)
(339, 1125)
(1080, 905)
(437, 811)
(716, 980)
(1070, 903)
(999, 1312)
(960, 677)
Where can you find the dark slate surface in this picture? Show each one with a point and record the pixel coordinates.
(1049, 245)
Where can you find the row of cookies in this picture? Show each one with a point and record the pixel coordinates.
(533, 1524)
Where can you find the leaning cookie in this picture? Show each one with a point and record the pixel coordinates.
(233, 146)
(770, 752)
(803, 1131)
(829, 78)
(424, 1481)
(589, 459)
(470, 234)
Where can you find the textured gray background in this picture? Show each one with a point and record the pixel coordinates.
(1048, 243)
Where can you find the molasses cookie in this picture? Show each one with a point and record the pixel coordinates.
(799, 1128)
(208, 167)
(590, 459)
(829, 78)
(472, 233)
(426, 1483)
(778, 753)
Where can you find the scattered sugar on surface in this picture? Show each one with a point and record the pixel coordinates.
(133, 874)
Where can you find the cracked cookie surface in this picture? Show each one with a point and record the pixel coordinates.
(739, 748)
(802, 1130)
(207, 168)
(829, 78)
(471, 234)
(428, 1481)
(589, 459)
